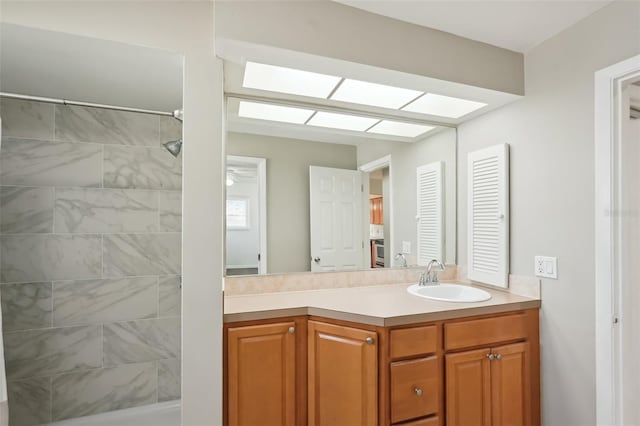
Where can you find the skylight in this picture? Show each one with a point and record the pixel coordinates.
(288, 80)
(397, 128)
(380, 95)
(443, 106)
(342, 121)
(273, 112)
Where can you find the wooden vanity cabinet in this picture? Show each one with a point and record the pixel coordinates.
(462, 372)
(415, 385)
(496, 384)
(264, 384)
(342, 375)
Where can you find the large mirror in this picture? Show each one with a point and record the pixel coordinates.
(311, 194)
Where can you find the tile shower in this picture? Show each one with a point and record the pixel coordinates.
(90, 234)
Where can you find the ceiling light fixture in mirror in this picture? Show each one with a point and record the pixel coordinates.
(330, 120)
(342, 121)
(272, 112)
(397, 128)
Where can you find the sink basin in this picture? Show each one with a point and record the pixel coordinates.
(450, 293)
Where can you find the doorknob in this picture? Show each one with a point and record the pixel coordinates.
(316, 259)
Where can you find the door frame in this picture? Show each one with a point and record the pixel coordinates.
(369, 167)
(261, 165)
(608, 83)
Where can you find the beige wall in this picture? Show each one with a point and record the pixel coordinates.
(186, 28)
(375, 186)
(333, 30)
(551, 133)
(288, 162)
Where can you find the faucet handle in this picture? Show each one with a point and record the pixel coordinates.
(436, 262)
(401, 256)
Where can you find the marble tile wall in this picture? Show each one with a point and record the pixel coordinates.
(90, 252)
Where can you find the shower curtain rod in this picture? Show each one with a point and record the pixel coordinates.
(86, 104)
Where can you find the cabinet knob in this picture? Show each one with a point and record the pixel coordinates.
(292, 330)
(491, 356)
(369, 340)
(418, 391)
(498, 357)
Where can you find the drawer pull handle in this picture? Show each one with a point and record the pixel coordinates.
(418, 391)
(369, 340)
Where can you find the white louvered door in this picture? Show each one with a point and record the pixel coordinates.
(430, 217)
(488, 215)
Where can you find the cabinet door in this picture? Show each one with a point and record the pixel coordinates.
(468, 388)
(375, 210)
(372, 212)
(509, 385)
(261, 375)
(342, 376)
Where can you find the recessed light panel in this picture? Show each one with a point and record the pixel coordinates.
(342, 121)
(273, 112)
(288, 80)
(380, 95)
(443, 106)
(397, 128)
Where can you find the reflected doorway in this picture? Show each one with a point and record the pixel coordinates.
(380, 212)
(246, 216)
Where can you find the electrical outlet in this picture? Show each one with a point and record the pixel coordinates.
(406, 247)
(546, 267)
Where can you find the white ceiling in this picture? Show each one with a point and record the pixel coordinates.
(512, 24)
(58, 65)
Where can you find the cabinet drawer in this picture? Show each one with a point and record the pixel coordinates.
(431, 421)
(486, 331)
(415, 390)
(414, 341)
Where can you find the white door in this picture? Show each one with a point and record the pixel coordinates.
(336, 219)
(488, 215)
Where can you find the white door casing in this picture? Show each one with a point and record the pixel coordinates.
(335, 219)
(430, 212)
(378, 164)
(609, 396)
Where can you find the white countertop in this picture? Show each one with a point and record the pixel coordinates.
(380, 305)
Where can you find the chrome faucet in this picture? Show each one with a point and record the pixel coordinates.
(430, 276)
(404, 259)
